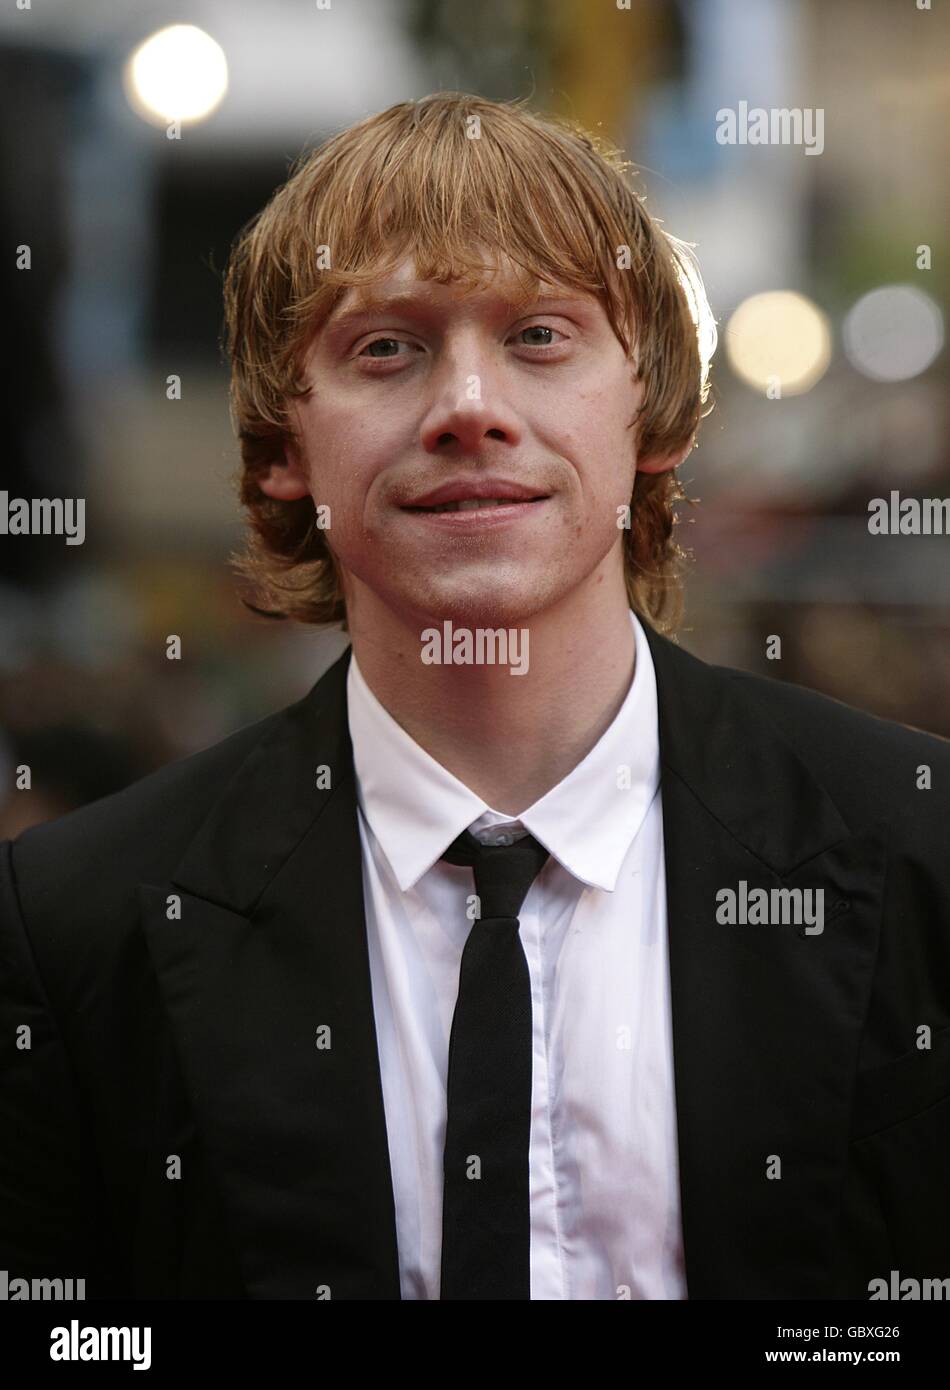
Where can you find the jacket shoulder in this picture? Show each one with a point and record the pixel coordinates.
(873, 768)
(91, 858)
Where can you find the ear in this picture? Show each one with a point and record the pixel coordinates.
(286, 480)
(662, 463)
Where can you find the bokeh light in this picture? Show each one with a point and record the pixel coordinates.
(779, 337)
(894, 333)
(179, 73)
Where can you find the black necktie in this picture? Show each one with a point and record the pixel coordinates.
(486, 1234)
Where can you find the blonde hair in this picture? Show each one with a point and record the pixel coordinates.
(439, 178)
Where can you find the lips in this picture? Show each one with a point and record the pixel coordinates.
(473, 504)
(473, 494)
(486, 516)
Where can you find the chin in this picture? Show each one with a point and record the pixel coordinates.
(484, 606)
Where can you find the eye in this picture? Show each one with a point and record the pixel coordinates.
(539, 328)
(380, 342)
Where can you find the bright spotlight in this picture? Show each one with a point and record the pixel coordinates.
(893, 333)
(779, 343)
(179, 73)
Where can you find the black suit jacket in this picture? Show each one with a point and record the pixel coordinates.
(156, 1034)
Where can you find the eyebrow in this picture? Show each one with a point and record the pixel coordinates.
(413, 300)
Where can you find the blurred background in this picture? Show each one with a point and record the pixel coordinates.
(826, 272)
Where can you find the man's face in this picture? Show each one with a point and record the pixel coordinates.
(448, 387)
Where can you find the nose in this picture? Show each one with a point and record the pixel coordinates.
(470, 404)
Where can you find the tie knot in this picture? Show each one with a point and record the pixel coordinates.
(503, 873)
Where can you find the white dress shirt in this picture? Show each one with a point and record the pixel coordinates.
(604, 1172)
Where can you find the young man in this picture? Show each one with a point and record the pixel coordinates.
(526, 956)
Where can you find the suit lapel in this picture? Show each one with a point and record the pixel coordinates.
(266, 983)
(766, 1019)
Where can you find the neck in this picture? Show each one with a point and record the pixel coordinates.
(509, 738)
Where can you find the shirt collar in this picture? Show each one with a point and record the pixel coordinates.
(416, 808)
